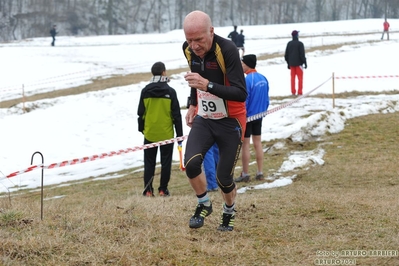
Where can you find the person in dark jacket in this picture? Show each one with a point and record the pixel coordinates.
(216, 114)
(53, 32)
(240, 40)
(233, 35)
(158, 111)
(295, 58)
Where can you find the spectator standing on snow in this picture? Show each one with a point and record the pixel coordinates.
(257, 103)
(233, 35)
(386, 29)
(295, 58)
(158, 112)
(53, 32)
(240, 40)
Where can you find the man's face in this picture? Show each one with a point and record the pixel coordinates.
(199, 40)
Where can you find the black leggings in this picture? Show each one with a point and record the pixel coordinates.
(227, 133)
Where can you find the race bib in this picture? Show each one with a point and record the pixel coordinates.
(210, 106)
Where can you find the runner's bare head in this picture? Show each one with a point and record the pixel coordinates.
(199, 33)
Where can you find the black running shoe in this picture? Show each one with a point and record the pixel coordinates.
(148, 194)
(243, 178)
(202, 211)
(259, 177)
(227, 222)
(164, 193)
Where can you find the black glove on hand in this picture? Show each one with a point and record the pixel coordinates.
(288, 66)
(306, 66)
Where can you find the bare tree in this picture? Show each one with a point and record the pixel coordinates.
(318, 9)
(211, 8)
(376, 8)
(354, 9)
(170, 18)
(392, 8)
(303, 9)
(145, 20)
(33, 18)
(110, 16)
(280, 8)
(179, 14)
(157, 19)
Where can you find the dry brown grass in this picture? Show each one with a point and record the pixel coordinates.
(349, 203)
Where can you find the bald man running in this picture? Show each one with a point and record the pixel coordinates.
(216, 113)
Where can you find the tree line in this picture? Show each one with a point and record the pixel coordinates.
(21, 19)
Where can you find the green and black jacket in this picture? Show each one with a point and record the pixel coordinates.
(159, 110)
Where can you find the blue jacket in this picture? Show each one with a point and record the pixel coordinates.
(258, 93)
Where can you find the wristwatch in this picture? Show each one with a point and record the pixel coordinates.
(210, 86)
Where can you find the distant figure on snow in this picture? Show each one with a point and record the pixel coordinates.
(386, 29)
(295, 58)
(233, 35)
(53, 32)
(240, 40)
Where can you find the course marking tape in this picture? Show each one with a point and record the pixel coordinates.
(151, 145)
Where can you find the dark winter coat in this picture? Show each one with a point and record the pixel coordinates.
(53, 32)
(240, 40)
(295, 53)
(233, 36)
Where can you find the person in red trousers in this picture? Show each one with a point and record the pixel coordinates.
(296, 60)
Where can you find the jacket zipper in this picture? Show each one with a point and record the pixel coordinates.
(202, 64)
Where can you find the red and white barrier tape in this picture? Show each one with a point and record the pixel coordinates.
(96, 156)
(263, 114)
(367, 77)
(151, 145)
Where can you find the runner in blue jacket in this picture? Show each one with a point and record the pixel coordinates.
(257, 103)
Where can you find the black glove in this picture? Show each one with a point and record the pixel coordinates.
(180, 143)
(306, 66)
(288, 66)
(140, 123)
